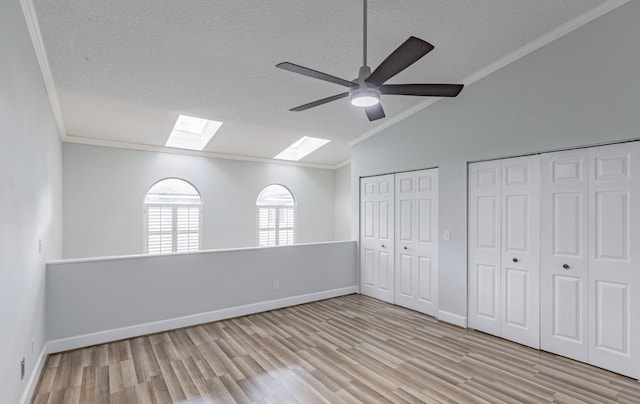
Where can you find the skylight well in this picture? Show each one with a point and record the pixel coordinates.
(301, 148)
(192, 133)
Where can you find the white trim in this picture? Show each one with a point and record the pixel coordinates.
(452, 318)
(146, 256)
(80, 341)
(532, 46)
(27, 394)
(344, 163)
(162, 149)
(31, 19)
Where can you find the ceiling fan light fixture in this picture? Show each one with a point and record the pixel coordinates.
(367, 97)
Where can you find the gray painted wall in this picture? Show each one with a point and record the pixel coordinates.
(104, 190)
(342, 201)
(581, 89)
(97, 295)
(30, 201)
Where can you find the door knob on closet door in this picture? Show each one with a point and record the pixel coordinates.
(382, 246)
(406, 248)
(565, 266)
(515, 260)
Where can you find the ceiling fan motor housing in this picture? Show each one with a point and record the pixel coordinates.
(363, 74)
(364, 94)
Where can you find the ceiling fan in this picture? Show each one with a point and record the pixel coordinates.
(365, 91)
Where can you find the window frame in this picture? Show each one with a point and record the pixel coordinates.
(174, 219)
(277, 208)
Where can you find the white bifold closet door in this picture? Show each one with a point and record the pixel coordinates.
(377, 237)
(485, 246)
(504, 248)
(564, 265)
(614, 258)
(590, 268)
(416, 275)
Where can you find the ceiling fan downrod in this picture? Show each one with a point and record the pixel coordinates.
(365, 71)
(364, 33)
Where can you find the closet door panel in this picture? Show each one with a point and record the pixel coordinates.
(564, 260)
(614, 274)
(520, 271)
(405, 238)
(484, 241)
(417, 240)
(427, 229)
(377, 237)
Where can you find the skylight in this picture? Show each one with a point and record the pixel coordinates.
(301, 148)
(192, 133)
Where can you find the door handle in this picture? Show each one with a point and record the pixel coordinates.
(406, 248)
(382, 246)
(565, 266)
(515, 260)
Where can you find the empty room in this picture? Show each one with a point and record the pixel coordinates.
(319, 201)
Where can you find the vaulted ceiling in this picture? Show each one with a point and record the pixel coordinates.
(124, 69)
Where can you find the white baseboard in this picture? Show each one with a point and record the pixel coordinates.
(451, 318)
(27, 395)
(80, 341)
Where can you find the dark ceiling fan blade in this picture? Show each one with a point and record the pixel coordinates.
(319, 102)
(313, 73)
(426, 90)
(375, 112)
(404, 56)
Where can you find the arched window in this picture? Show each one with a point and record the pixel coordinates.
(276, 216)
(173, 219)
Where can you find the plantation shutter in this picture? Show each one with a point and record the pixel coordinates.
(275, 226)
(276, 216)
(159, 229)
(266, 227)
(187, 228)
(285, 226)
(173, 217)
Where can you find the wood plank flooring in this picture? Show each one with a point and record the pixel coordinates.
(344, 350)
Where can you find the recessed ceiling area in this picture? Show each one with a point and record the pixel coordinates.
(125, 70)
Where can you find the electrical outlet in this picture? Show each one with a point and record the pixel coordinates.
(22, 369)
(276, 285)
(446, 235)
(39, 246)
(33, 344)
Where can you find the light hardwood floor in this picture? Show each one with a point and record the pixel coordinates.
(342, 350)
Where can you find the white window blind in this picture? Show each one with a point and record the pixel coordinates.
(276, 216)
(285, 226)
(173, 217)
(159, 229)
(188, 228)
(173, 229)
(275, 226)
(266, 227)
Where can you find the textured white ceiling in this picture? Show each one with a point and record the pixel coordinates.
(125, 69)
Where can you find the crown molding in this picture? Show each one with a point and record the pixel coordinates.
(47, 76)
(543, 40)
(163, 149)
(31, 19)
(33, 26)
(344, 163)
